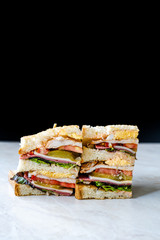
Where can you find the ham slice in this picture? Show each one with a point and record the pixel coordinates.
(26, 156)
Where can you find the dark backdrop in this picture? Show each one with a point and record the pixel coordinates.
(34, 107)
(21, 123)
(90, 83)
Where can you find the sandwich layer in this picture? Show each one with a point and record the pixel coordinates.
(110, 158)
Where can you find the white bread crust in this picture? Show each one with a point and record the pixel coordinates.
(84, 191)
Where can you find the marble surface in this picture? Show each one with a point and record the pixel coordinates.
(50, 217)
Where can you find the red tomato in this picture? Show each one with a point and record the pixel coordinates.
(53, 182)
(113, 171)
(130, 145)
(106, 144)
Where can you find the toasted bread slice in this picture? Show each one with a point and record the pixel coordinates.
(31, 142)
(84, 191)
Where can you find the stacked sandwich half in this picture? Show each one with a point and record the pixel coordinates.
(108, 159)
(49, 162)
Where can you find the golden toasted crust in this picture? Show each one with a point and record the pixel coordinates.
(22, 189)
(84, 191)
(29, 143)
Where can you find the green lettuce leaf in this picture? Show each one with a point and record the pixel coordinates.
(19, 179)
(43, 161)
(106, 187)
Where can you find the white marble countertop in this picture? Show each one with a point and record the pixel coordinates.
(50, 217)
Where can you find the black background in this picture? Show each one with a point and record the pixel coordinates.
(72, 78)
(75, 95)
(34, 112)
(39, 95)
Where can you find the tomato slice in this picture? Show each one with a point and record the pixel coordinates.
(113, 171)
(106, 144)
(52, 181)
(107, 171)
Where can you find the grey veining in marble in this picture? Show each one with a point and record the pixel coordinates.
(50, 217)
